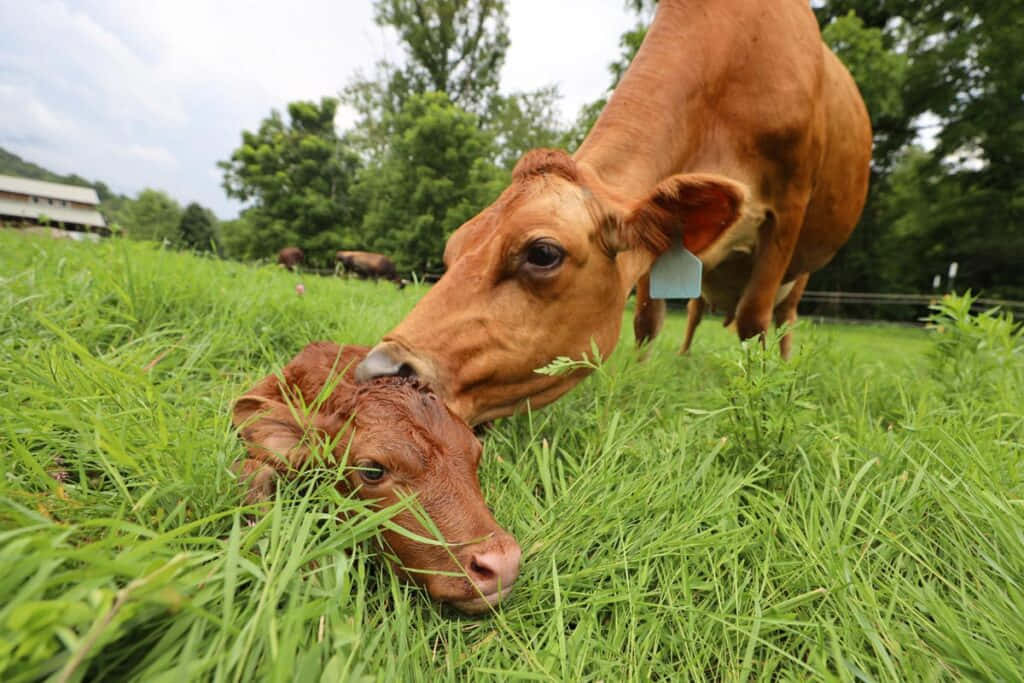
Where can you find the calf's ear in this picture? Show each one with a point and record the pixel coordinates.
(275, 434)
(278, 436)
(696, 206)
(247, 407)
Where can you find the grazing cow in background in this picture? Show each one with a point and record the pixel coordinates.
(735, 129)
(289, 257)
(400, 440)
(367, 264)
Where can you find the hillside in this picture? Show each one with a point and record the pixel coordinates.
(12, 164)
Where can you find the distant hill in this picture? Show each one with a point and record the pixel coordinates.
(12, 164)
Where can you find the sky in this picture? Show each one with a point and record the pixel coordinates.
(152, 93)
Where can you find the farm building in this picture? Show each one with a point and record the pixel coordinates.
(69, 209)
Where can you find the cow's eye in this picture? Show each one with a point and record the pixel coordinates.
(371, 471)
(545, 254)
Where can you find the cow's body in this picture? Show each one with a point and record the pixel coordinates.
(367, 264)
(763, 101)
(290, 257)
(735, 128)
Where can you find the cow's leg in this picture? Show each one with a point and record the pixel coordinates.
(650, 313)
(785, 312)
(694, 312)
(776, 240)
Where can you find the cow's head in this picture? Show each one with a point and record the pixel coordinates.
(395, 439)
(539, 274)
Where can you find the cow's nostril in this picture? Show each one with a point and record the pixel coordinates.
(494, 570)
(481, 571)
(380, 362)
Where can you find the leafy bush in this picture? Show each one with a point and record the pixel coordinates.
(974, 352)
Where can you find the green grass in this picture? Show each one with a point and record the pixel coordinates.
(854, 514)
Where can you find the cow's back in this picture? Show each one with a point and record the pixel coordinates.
(368, 263)
(745, 89)
(723, 87)
(842, 179)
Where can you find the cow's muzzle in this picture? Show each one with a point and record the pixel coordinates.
(390, 359)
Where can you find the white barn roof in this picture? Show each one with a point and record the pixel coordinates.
(41, 188)
(56, 214)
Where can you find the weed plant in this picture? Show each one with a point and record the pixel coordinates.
(853, 514)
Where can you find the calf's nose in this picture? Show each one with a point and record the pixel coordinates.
(384, 360)
(495, 570)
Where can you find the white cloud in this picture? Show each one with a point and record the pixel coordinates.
(70, 53)
(274, 51)
(156, 155)
(106, 88)
(34, 121)
(569, 43)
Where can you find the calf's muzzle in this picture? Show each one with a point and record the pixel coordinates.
(491, 568)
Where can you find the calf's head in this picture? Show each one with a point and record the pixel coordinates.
(395, 439)
(543, 272)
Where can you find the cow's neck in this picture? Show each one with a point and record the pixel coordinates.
(650, 127)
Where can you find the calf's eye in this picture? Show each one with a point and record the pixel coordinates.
(545, 254)
(371, 471)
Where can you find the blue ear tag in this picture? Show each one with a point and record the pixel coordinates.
(676, 274)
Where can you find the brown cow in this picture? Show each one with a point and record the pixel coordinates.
(367, 264)
(395, 438)
(735, 128)
(289, 257)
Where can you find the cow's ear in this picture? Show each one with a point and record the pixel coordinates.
(699, 207)
(275, 433)
(248, 407)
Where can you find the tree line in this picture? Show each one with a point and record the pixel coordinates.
(150, 215)
(435, 139)
(944, 83)
(434, 142)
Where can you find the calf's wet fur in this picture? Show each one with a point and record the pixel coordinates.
(394, 438)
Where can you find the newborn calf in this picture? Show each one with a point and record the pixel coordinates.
(400, 440)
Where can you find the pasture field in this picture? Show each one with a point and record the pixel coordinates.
(854, 514)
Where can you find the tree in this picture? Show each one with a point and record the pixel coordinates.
(197, 229)
(297, 176)
(376, 100)
(435, 175)
(456, 47)
(960, 90)
(523, 121)
(452, 46)
(437, 135)
(152, 215)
